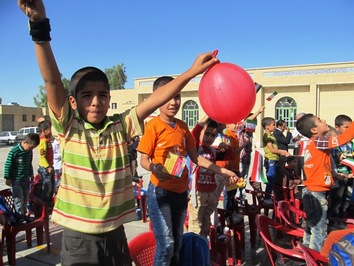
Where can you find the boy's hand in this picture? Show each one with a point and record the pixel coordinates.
(284, 153)
(8, 182)
(34, 9)
(229, 176)
(223, 147)
(161, 176)
(202, 63)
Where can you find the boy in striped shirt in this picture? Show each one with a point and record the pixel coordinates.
(95, 196)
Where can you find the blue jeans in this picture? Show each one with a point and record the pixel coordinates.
(167, 212)
(316, 206)
(271, 167)
(20, 193)
(48, 184)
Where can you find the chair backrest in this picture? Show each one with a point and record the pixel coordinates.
(267, 227)
(194, 250)
(142, 249)
(312, 257)
(290, 214)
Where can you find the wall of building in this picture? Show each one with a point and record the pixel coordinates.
(325, 90)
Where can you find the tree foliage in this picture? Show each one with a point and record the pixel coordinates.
(116, 77)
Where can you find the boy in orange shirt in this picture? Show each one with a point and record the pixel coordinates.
(319, 178)
(167, 195)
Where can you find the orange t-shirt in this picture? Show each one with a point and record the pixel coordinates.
(317, 164)
(158, 140)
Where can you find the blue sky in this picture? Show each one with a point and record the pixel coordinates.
(160, 37)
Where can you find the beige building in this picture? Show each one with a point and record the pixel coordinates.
(15, 117)
(325, 90)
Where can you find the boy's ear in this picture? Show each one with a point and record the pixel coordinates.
(73, 102)
(314, 130)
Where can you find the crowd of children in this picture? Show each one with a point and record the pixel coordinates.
(96, 178)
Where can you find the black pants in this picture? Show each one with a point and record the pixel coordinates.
(106, 249)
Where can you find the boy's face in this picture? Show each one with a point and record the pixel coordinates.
(171, 108)
(271, 127)
(343, 127)
(209, 136)
(47, 132)
(292, 164)
(92, 102)
(232, 127)
(321, 126)
(27, 147)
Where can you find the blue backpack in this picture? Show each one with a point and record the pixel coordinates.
(342, 252)
(12, 218)
(195, 250)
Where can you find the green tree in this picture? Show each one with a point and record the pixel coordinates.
(40, 100)
(116, 77)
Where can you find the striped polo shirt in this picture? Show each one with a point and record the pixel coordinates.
(18, 165)
(95, 194)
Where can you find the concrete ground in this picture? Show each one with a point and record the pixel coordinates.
(37, 255)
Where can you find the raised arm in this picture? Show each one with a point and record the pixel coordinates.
(171, 89)
(56, 94)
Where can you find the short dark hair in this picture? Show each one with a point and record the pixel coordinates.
(280, 122)
(159, 82)
(81, 76)
(266, 121)
(305, 124)
(340, 119)
(32, 138)
(211, 123)
(44, 125)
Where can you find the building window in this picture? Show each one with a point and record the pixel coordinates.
(33, 118)
(24, 117)
(190, 113)
(114, 105)
(286, 109)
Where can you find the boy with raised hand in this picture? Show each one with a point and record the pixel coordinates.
(95, 197)
(319, 179)
(167, 194)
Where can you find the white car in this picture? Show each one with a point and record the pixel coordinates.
(9, 137)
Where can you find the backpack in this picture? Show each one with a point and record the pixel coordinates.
(342, 252)
(12, 218)
(194, 250)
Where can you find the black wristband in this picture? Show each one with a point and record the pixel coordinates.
(40, 30)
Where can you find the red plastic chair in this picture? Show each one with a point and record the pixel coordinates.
(267, 227)
(313, 257)
(140, 195)
(41, 219)
(258, 195)
(142, 249)
(291, 215)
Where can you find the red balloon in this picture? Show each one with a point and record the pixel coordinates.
(227, 93)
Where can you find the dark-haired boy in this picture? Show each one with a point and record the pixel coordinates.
(46, 160)
(271, 156)
(318, 171)
(339, 193)
(96, 196)
(168, 193)
(18, 171)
